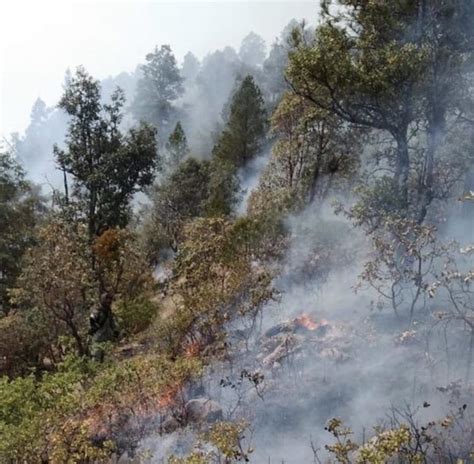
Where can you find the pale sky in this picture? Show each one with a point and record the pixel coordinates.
(40, 39)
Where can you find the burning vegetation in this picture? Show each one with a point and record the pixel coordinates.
(297, 287)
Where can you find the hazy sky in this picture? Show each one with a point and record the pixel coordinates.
(39, 39)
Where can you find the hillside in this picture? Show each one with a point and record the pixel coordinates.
(262, 256)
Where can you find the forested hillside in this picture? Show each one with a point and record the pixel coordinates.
(262, 256)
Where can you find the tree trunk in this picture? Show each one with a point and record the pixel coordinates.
(468, 205)
(81, 348)
(92, 226)
(435, 133)
(402, 169)
(102, 325)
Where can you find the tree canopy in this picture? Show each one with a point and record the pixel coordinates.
(105, 166)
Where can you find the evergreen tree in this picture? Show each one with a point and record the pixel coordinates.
(244, 134)
(215, 81)
(223, 188)
(445, 30)
(368, 79)
(159, 87)
(30, 147)
(21, 209)
(190, 67)
(241, 140)
(177, 147)
(252, 50)
(274, 67)
(179, 198)
(277, 61)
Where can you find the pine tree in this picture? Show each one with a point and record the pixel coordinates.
(21, 209)
(159, 87)
(241, 140)
(252, 50)
(190, 68)
(177, 147)
(244, 134)
(31, 147)
(223, 188)
(178, 199)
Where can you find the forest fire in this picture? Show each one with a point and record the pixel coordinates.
(192, 349)
(176, 227)
(169, 397)
(306, 321)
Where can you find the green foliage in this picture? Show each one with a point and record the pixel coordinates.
(34, 417)
(25, 343)
(135, 315)
(57, 281)
(214, 280)
(160, 85)
(389, 66)
(223, 188)
(60, 286)
(261, 236)
(107, 167)
(177, 147)
(227, 438)
(178, 199)
(241, 140)
(367, 79)
(376, 203)
(55, 419)
(243, 137)
(21, 210)
(315, 153)
(226, 443)
(404, 442)
(372, 69)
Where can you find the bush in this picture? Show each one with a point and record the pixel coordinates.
(135, 315)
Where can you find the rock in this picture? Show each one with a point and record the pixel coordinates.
(203, 410)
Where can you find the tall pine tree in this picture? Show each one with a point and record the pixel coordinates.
(241, 141)
(177, 147)
(244, 134)
(159, 87)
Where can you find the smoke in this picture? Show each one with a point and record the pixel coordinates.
(249, 177)
(361, 364)
(208, 91)
(386, 366)
(48, 127)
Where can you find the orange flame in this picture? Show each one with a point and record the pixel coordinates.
(168, 397)
(192, 349)
(306, 321)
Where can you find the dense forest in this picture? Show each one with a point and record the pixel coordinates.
(262, 256)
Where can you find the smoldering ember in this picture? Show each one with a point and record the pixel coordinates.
(258, 250)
